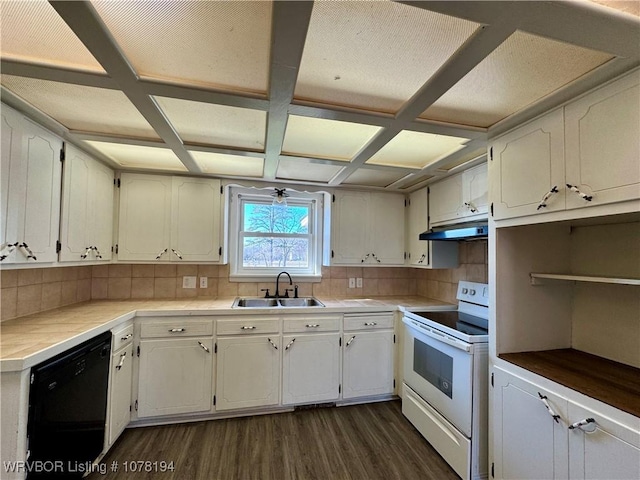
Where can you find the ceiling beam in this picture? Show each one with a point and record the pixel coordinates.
(85, 22)
(290, 23)
(585, 24)
(484, 40)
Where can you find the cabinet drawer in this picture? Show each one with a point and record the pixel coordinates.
(176, 327)
(121, 337)
(248, 325)
(312, 323)
(369, 321)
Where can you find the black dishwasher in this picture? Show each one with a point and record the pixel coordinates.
(67, 410)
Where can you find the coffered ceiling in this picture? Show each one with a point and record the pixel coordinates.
(377, 94)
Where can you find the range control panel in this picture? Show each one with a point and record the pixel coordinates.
(473, 292)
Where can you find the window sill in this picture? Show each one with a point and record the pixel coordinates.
(272, 278)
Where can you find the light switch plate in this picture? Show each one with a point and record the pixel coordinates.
(352, 283)
(189, 282)
(359, 282)
(204, 282)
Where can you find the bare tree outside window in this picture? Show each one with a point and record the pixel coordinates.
(275, 236)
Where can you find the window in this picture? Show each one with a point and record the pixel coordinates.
(267, 238)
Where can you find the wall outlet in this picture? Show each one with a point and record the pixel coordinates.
(352, 283)
(189, 282)
(204, 282)
(359, 282)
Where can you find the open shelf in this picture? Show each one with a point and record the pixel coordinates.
(610, 382)
(538, 279)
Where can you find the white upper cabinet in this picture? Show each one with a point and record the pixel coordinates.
(584, 154)
(602, 136)
(166, 218)
(31, 173)
(422, 253)
(368, 228)
(87, 208)
(461, 197)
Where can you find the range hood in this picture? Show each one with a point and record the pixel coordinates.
(460, 231)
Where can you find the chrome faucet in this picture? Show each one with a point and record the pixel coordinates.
(286, 292)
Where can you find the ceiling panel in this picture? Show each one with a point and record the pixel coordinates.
(136, 156)
(416, 149)
(82, 108)
(374, 55)
(370, 177)
(213, 124)
(214, 43)
(306, 170)
(319, 137)
(627, 6)
(33, 32)
(522, 70)
(234, 165)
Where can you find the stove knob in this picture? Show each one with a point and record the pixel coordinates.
(465, 291)
(472, 292)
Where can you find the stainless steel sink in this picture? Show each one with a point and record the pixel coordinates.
(255, 302)
(244, 302)
(300, 302)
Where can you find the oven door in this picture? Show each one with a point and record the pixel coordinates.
(440, 369)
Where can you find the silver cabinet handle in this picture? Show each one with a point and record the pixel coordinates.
(29, 252)
(252, 327)
(289, 344)
(365, 257)
(584, 196)
(375, 257)
(350, 340)
(126, 337)
(422, 258)
(11, 247)
(161, 253)
(176, 253)
(204, 347)
(312, 325)
(119, 366)
(471, 207)
(543, 202)
(177, 330)
(588, 425)
(553, 414)
(272, 344)
(86, 253)
(370, 324)
(95, 249)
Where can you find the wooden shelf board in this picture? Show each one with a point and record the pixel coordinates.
(610, 382)
(535, 279)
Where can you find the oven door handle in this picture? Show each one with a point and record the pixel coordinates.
(441, 337)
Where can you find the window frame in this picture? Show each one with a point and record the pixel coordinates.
(238, 197)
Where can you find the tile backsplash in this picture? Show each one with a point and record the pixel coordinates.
(33, 290)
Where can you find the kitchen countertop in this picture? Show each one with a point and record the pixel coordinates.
(29, 340)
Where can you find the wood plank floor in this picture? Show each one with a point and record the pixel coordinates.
(361, 442)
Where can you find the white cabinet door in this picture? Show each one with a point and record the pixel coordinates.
(528, 442)
(145, 217)
(311, 368)
(31, 173)
(368, 228)
(248, 372)
(386, 234)
(367, 364)
(350, 227)
(87, 209)
(602, 448)
(525, 165)
(195, 219)
(418, 222)
(445, 200)
(475, 192)
(119, 393)
(602, 146)
(175, 376)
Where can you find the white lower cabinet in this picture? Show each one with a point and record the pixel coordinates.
(533, 438)
(175, 373)
(368, 353)
(311, 368)
(120, 378)
(248, 371)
